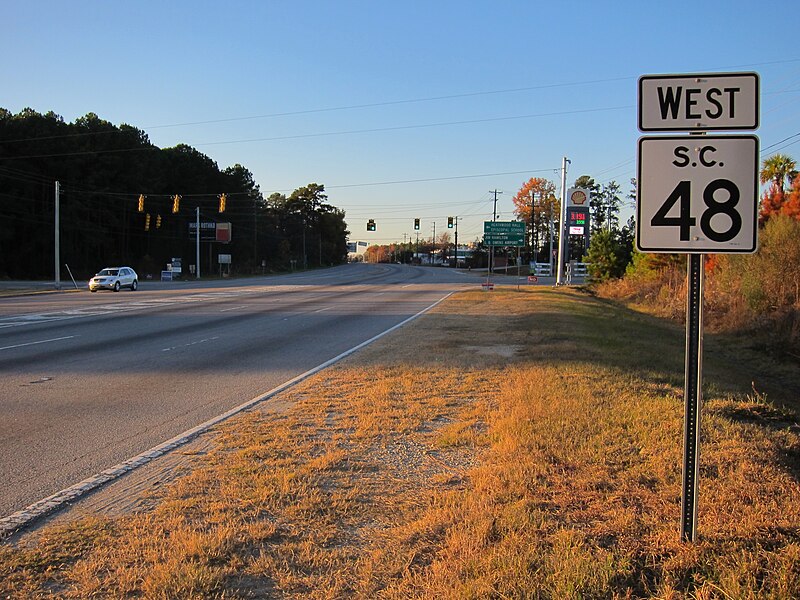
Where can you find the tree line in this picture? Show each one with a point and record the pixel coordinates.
(124, 200)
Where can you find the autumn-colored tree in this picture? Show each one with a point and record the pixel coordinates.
(791, 205)
(776, 201)
(771, 203)
(778, 169)
(534, 203)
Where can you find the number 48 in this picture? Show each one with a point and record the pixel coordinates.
(683, 193)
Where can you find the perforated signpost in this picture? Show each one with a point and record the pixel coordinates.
(697, 194)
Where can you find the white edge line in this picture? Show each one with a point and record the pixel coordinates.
(67, 337)
(37, 510)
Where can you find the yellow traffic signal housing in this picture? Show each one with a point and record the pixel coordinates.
(223, 198)
(147, 222)
(141, 202)
(158, 221)
(176, 203)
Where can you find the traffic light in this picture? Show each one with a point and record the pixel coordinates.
(158, 221)
(371, 225)
(147, 222)
(141, 202)
(176, 203)
(416, 224)
(449, 222)
(222, 201)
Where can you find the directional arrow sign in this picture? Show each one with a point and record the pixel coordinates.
(502, 240)
(517, 227)
(504, 233)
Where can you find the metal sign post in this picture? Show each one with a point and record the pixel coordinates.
(697, 195)
(693, 394)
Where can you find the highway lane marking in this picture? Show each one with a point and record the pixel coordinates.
(105, 309)
(66, 337)
(323, 309)
(37, 510)
(203, 341)
(235, 308)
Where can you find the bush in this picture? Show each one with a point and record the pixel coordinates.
(608, 255)
(749, 293)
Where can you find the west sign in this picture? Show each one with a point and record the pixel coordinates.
(701, 102)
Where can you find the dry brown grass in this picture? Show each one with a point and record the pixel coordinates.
(510, 445)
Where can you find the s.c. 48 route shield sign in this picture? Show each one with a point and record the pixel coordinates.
(697, 194)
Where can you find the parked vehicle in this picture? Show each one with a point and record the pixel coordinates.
(114, 278)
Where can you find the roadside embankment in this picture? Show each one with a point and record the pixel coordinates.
(508, 444)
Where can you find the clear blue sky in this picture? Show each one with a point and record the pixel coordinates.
(467, 96)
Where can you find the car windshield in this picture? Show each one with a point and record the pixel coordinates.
(109, 272)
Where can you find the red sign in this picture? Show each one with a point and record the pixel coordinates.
(224, 232)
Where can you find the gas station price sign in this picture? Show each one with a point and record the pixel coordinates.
(578, 219)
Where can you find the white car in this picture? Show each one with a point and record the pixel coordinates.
(114, 278)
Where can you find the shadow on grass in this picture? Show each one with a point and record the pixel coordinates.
(611, 335)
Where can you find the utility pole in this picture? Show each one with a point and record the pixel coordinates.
(494, 218)
(494, 211)
(58, 236)
(562, 242)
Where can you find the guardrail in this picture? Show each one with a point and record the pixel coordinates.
(576, 269)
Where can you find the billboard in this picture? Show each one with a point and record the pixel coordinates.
(211, 231)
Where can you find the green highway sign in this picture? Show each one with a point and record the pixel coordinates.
(502, 240)
(504, 233)
(516, 227)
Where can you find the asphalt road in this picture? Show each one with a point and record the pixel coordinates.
(89, 380)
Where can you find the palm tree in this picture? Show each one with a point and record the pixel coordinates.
(778, 168)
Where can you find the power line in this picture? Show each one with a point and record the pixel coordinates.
(779, 143)
(394, 102)
(337, 133)
(429, 179)
(340, 108)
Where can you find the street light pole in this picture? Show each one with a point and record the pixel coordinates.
(58, 237)
(434, 243)
(455, 249)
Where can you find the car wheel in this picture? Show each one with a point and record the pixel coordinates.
(134, 285)
(116, 286)
(93, 290)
